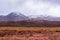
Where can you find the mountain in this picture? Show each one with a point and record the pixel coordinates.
(13, 16)
(45, 17)
(49, 18)
(19, 16)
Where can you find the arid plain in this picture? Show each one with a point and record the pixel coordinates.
(29, 33)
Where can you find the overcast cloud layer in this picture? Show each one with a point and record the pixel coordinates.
(31, 7)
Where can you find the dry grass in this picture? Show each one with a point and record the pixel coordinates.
(35, 36)
(31, 28)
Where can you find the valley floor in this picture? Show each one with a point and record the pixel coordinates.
(29, 33)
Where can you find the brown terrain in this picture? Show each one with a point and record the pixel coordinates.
(30, 30)
(31, 33)
(30, 23)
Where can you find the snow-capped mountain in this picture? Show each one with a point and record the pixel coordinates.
(45, 17)
(12, 16)
(19, 16)
(50, 18)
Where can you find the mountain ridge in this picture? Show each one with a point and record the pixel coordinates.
(19, 16)
(12, 16)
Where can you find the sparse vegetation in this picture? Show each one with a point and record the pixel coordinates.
(29, 34)
(29, 23)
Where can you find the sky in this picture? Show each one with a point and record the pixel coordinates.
(30, 7)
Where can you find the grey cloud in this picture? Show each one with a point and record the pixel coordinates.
(53, 1)
(6, 6)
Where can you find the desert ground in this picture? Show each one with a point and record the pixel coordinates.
(29, 33)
